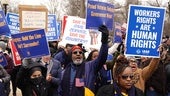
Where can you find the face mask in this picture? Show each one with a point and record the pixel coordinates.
(36, 81)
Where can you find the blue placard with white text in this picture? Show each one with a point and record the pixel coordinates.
(144, 32)
(31, 44)
(99, 13)
(52, 34)
(13, 22)
(4, 29)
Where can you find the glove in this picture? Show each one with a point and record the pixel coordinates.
(105, 34)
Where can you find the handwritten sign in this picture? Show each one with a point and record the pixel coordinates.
(75, 31)
(145, 28)
(31, 44)
(32, 17)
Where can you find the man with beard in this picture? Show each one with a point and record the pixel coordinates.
(79, 74)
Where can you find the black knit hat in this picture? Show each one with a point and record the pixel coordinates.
(32, 70)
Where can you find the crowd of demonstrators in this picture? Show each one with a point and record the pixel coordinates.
(69, 73)
(123, 81)
(4, 79)
(31, 79)
(79, 74)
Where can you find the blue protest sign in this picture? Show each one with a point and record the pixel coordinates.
(99, 13)
(144, 33)
(3, 24)
(51, 33)
(31, 44)
(58, 29)
(13, 22)
(3, 61)
(118, 33)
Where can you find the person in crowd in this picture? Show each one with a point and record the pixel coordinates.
(101, 78)
(31, 79)
(14, 71)
(79, 74)
(141, 75)
(62, 56)
(53, 74)
(53, 45)
(167, 70)
(143, 62)
(4, 79)
(123, 81)
(156, 85)
(9, 67)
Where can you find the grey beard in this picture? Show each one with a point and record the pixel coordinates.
(77, 62)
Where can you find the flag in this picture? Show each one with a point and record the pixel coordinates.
(79, 82)
(88, 92)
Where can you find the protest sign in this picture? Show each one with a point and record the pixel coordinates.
(13, 22)
(15, 55)
(117, 33)
(32, 17)
(99, 13)
(52, 34)
(75, 31)
(64, 21)
(145, 28)
(59, 28)
(31, 44)
(3, 24)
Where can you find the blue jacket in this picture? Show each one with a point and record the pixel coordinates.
(62, 57)
(86, 71)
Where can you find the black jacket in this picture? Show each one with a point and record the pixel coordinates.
(109, 90)
(23, 81)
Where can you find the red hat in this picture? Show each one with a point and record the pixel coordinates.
(76, 47)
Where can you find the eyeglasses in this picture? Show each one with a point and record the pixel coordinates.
(127, 76)
(76, 52)
(133, 60)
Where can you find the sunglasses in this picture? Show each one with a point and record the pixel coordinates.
(76, 52)
(127, 76)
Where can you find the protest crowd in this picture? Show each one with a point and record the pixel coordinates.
(76, 70)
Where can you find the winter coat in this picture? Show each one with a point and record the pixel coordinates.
(86, 71)
(110, 90)
(23, 80)
(5, 77)
(62, 57)
(54, 68)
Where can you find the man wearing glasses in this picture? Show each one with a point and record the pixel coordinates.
(79, 74)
